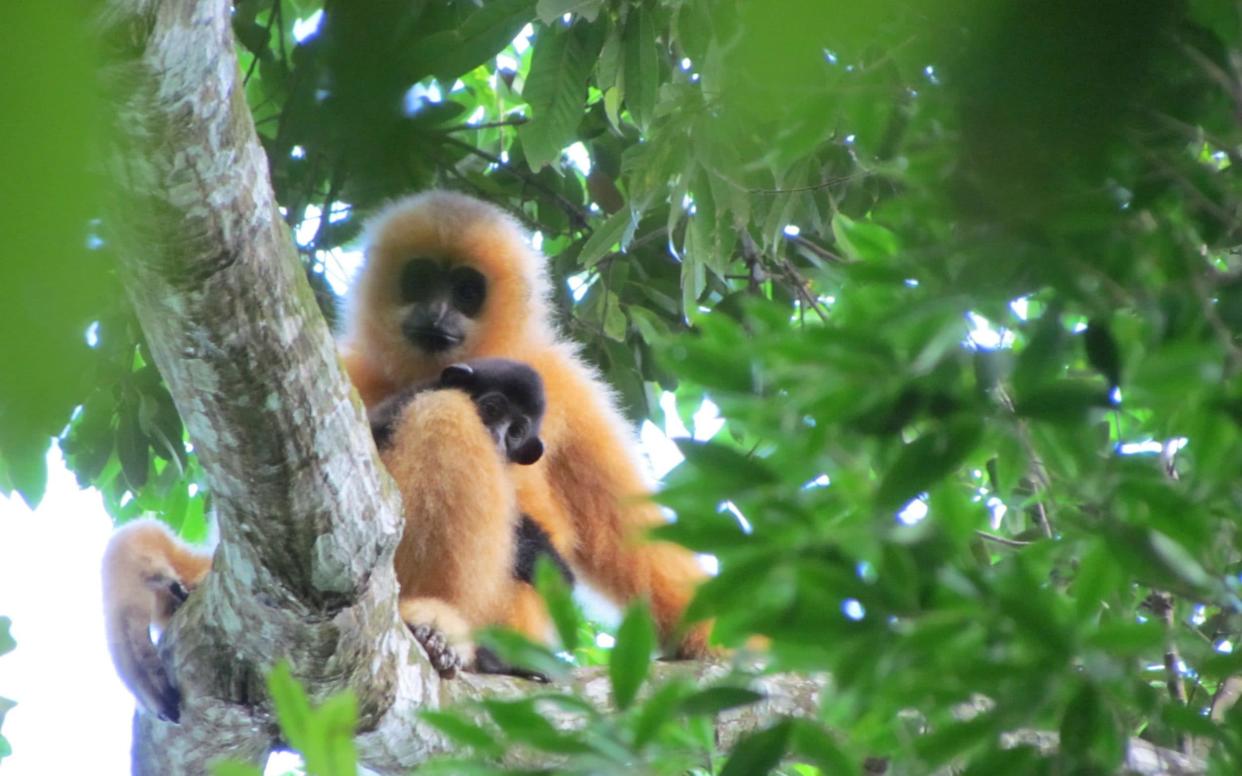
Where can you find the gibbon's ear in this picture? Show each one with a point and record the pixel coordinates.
(530, 451)
(457, 376)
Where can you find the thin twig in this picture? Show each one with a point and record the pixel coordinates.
(1163, 605)
(271, 19)
(1038, 481)
(513, 122)
(819, 250)
(826, 184)
(991, 537)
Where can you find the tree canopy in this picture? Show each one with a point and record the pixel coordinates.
(961, 278)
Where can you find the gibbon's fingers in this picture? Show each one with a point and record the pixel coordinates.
(443, 633)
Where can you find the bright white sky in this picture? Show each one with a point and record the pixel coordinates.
(72, 715)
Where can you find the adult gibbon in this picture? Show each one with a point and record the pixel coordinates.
(448, 278)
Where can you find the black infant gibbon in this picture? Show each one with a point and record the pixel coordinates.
(449, 279)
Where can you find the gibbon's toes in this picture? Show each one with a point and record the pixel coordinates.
(488, 662)
(443, 632)
(446, 660)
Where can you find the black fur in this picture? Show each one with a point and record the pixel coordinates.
(533, 541)
(507, 394)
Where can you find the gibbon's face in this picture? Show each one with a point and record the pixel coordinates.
(440, 303)
(510, 400)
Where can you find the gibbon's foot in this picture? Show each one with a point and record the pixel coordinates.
(488, 662)
(443, 632)
(446, 660)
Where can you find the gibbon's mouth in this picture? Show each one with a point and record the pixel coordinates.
(433, 339)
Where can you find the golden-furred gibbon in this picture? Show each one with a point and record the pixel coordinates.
(446, 279)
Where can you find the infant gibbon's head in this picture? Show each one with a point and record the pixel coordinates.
(446, 278)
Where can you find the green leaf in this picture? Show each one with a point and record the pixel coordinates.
(714, 700)
(334, 723)
(556, 90)
(516, 650)
(726, 464)
(487, 31)
(560, 602)
(523, 723)
(132, 447)
(923, 462)
(642, 65)
(1065, 402)
(953, 739)
(814, 744)
(550, 11)
(608, 72)
(1091, 740)
(1102, 351)
(616, 231)
(7, 642)
(1126, 639)
(25, 469)
(631, 657)
(293, 709)
(760, 752)
(656, 711)
(462, 731)
(863, 241)
(323, 735)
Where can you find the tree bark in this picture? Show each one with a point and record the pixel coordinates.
(308, 521)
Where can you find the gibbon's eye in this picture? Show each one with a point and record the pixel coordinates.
(492, 408)
(469, 290)
(517, 429)
(418, 279)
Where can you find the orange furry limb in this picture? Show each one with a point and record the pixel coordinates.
(596, 472)
(147, 573)
(460, 510)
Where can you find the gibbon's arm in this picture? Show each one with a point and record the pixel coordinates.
(595, 473)
(147, 573)
(455, 563)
